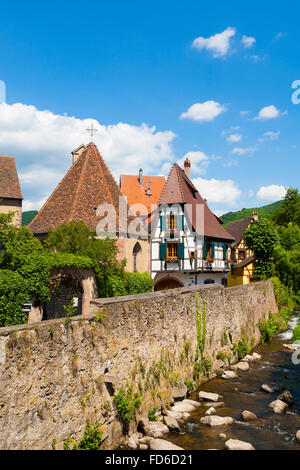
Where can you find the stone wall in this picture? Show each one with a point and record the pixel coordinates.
(57, 374)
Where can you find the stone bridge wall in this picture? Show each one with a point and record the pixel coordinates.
(56, 374)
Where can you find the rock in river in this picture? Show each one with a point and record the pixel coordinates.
(298, 436)
(217, 420)
(248, 416)
(241, 366)
(278, 406)
(229, 374)
(287, 397)
(171, 423)
(235, 444)
(185, 406)
(156, 429)
(209, 396)
(161, 444)
(267, 388)
(210, 411)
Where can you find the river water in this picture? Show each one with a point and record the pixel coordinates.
(271, 431)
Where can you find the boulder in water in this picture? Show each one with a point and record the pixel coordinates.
(185, 406)
(229, 374)
(171, 423)
(256, 356)
(211, 411)
(235, 444)
(298, 435)
(161, 444)
(217, 420)
(267, 388)
(249, 416)
(241, 366)
(286, 397)
(209, 396)
(278, 406)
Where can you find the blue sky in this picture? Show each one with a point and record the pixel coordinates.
(159, 84)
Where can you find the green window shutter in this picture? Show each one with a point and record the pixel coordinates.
(181, 222)
(204, 250)
(212, 250)
(162, 223)
(224, 251)
(163, 250)
(181, 250)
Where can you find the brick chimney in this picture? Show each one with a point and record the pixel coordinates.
(255, 215)
(187, 167)
(141, 176)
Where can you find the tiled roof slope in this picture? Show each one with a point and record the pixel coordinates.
(9, 180)
(237, 228)
(179, 189)
(86, 185)
(136, 193)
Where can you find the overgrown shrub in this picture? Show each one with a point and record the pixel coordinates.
(241, 348)
(91, 439)
(269, 328)
(151, 413)
(126, 402)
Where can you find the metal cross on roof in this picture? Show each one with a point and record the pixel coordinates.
(92, 130)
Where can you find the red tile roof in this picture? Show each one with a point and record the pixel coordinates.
(86, 185)
(137, 194)
(179, 189)
(9, 180)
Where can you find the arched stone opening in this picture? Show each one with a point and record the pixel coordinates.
(168, 283)
(136, 253)
(66, 283)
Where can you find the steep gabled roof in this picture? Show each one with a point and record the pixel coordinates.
(86, 185)
(137, 193)
(9, 180)
(237, 228)
(179, 189)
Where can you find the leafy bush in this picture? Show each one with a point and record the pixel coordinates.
(189, 385)
(269, 328)
(151, 413)
(202, 367)
(126, 402)
(14, 292)
(241, 348)
(91, 439)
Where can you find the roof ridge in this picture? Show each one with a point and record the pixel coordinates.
(98, 155)
(78, 185)
(179, 180)
(48, 200)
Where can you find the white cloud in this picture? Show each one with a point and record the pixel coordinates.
(244, 113)
(217, 191)
(244, 150)
(269, 112)
(218, 44)
(42, 141)
(270, 135)
(248, 41)
(234, 138)
(219, 212)
(206, 111)
(270, 193)
(199, 161)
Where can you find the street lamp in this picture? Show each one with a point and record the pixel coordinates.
(2, 250)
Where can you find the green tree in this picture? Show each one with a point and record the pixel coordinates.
(289, 210)
(261, 238)
(76, 238)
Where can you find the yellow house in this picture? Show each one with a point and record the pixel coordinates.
(242, 266)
